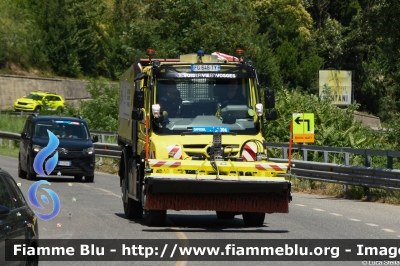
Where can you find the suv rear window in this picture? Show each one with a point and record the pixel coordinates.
(62, 129)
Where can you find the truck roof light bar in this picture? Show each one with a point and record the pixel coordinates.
(200, 54)
(239, 53)
(150, 52)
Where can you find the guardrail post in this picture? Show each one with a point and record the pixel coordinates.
(368, 160)
(102, 141)
(367, 164)
(1, 142)
(389, 163)
(325, 156)
(346, 158)
(9, 143)
(284, 153)
(346, 162)
(305, 154)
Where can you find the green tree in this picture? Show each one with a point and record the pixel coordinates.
(73, 34)
(18, 36)
(334, 126)
(101, 111)
(286, 29)
(121, 14)
(177, 27)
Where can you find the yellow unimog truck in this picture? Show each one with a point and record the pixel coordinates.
(188, 145)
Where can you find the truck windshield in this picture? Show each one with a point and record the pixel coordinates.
(204, 105)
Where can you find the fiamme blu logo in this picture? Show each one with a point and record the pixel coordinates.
(49, 166)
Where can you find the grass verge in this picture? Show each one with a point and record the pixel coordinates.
(351, 192)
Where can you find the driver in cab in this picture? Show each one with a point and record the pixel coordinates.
(231, 94)
(171, 99)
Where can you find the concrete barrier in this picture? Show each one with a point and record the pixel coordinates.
(13, 87)
(373, 121)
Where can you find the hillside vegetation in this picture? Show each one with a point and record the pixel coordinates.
(288, 40)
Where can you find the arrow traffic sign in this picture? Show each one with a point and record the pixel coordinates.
(297, 120)
(303, 127)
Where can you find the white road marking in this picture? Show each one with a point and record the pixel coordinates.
(336, 214)
(371, 224)
(301, 205)
(320, 210)
(354, 220)
(101, 189)
(388, 230)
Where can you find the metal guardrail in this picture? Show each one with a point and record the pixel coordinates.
(345, 173)
(16, 112)
(102, 149)
(346, 151)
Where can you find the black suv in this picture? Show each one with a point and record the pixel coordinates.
(76, 156)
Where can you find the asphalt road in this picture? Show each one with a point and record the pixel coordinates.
(94, 211)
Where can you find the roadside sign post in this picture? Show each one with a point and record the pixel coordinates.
(290, 144)
(303, 127)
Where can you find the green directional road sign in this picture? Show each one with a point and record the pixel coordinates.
(303, 127)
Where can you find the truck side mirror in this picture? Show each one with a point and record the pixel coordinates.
(140, 76)
(271, 115)
(137, 115)
(138, 99)
(269, 98)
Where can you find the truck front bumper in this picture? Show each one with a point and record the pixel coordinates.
(219, 195)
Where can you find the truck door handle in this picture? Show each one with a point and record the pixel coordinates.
(7, 229)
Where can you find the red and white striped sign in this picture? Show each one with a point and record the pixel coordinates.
(164, 164)
(269, 167)
(249, 153)
(226, 57)
(175, 150)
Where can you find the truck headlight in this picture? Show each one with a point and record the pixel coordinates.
(88, 150)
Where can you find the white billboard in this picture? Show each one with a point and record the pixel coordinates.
(340, 82)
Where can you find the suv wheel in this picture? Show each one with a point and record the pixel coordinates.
(21, 173)
(89, 178)
(30, 175)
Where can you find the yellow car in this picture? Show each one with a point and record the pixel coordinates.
(37, 100)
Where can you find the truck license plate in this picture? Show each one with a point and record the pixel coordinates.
(209, 68)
